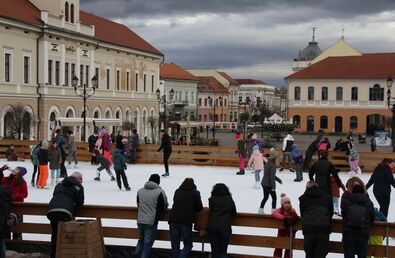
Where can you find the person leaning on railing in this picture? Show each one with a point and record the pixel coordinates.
(5, 208)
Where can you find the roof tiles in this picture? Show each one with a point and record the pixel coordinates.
(173, 71)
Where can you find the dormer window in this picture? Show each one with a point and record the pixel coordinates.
(72, 13)
(66, 11)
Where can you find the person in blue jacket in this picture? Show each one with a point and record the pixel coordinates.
(119, 167)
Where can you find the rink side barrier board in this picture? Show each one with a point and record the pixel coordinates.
(199, 155)
(255, 222)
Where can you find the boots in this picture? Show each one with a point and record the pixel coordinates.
(97, 178)
(241, 172)
(260, 211)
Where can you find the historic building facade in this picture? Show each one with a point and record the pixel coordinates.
(44, 44)
(341, 92)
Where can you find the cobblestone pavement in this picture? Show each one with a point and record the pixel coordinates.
(227, 139)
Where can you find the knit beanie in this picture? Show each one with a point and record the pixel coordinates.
(22, 170)
(44, 143)
(284, 199)
(154, 178)
(254, 136)
(255, 148)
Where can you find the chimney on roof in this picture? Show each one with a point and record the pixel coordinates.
(44, 16)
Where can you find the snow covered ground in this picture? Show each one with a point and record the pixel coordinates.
(246, 198)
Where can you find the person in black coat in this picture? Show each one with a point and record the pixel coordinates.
(313, 147)
(166, 147)
(382, 179)
(322, 170)
(358, 215)
(67, 195)
(5, 208)
(316, 209)
(219, 226)
(186, 203)
(118, 141)
(91, 147)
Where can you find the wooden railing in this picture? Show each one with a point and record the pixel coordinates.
(255, 222)
(199, 155)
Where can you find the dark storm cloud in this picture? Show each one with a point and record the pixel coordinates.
(314, 8)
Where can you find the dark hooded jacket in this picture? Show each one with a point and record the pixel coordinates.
(66, 196)
(347, 204)
(5, 208)
(382, 179)
(322, 170)
(222, 210)
(92, 141)
(119, 160)
(186, 202)
(316, 209)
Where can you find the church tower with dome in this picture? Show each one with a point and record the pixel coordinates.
(307, 55)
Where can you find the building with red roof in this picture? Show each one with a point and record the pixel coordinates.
(47, 44)
(341, 92)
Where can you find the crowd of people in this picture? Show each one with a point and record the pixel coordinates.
(317, 205)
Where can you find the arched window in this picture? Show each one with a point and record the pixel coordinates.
(339, 93)
(96, 115)
(376, 93)
(66, 11)
(324, 122)
(310, 93)
(296, 121)
(324, 93)
(72, 13)
(354, 93)
(353, 122)
(297, 93)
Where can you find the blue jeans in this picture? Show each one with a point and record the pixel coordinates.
(147, 236)
(355, 245)
(219, 241)
(257, 177)
(178, 231)
(2, 248)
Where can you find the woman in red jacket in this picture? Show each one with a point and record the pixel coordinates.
(18, 185)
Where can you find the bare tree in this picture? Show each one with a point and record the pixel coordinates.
(128, 126)
(17, 121)
(152, 122)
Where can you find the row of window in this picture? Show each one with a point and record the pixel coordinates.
(84, 76)
(69, 12)
(324, 121)
(376, 93)
(8, 68)
(217, 102)
(218, 118)
(184, 96)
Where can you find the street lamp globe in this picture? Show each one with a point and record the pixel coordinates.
(94, 81)
(158, 94)
(389, 82)
(74, 81)
(171, 94)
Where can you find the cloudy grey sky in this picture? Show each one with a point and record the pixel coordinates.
(251, 38)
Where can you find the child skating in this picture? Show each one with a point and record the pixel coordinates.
(104, 164)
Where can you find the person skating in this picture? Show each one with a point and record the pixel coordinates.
(72, 149)
(55, 161)
(135, 145)
(336, 195)
(151, 202)
(120, 167)
(186, 203)
(313, 147)
(269, 182)
(104, 164)
(118, 140)
(43, 160)
(353, 158)
(35, 165)
(297, 157)
(242, 153)
(91, 147)
(66, 196)
(321, 171)
(288, 142)
(257, 159)
(382, 179)
(316, 209)
(166, 147)
(58, 136)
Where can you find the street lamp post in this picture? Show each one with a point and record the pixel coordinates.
(213, 105)
(391, 106)
(85, 93)
(162, 100)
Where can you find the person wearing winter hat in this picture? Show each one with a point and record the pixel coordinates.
(151, 202)
(18, 185)
(242, 146)
(43, 159)
(288, 215)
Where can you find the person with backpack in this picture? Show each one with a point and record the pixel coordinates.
(358, 215)
(316, 210)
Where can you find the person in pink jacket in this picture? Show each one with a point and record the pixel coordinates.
(288, 215)
(258, 160)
